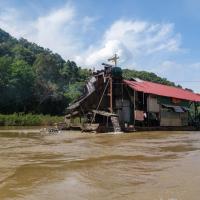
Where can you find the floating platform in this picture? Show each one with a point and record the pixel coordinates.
(87, 127)
(168, 128)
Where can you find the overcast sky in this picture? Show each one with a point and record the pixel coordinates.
(158, 36)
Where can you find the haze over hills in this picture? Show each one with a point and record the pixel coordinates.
(34, 79)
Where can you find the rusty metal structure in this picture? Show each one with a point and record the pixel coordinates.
(111, 104)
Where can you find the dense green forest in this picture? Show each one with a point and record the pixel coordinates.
(33, 79)
(36, 80)
(147, 76)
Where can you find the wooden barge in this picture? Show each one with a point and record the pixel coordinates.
(113, 104)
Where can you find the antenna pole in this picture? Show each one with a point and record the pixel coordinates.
(114, 59)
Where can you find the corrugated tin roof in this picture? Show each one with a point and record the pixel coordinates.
(162, 90)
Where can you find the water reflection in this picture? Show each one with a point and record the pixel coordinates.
(72, 165)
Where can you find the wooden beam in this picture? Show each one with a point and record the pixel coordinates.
(111, 95)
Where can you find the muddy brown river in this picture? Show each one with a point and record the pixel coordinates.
(76, 166)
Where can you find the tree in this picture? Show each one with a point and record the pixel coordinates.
(21, 84)
(22, 53)
(146, 76)
(5, 63)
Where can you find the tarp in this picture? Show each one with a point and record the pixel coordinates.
(162, 90)
(177, 109)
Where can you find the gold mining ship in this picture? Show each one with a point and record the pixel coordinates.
(113, 104)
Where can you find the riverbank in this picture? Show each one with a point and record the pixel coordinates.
(17, 119)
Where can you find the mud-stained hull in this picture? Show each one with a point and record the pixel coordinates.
(168, 128)
(98, 128)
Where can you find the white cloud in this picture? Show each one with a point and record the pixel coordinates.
(55, 31)
(87, 23)
(10, 20)
(133, 40)
(185, 74)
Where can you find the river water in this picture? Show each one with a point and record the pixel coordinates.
(76, 166)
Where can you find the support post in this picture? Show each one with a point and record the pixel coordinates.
(134, 107)
(111, 95)
(143, 102)
(107, 122)
(195, 106)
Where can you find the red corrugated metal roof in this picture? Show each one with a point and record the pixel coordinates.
(162, 90)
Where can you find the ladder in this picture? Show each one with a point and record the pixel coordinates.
(115, 122)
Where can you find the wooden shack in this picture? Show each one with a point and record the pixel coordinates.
(111, 103)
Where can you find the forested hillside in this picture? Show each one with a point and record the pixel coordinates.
(33, 79)
(147, 76)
